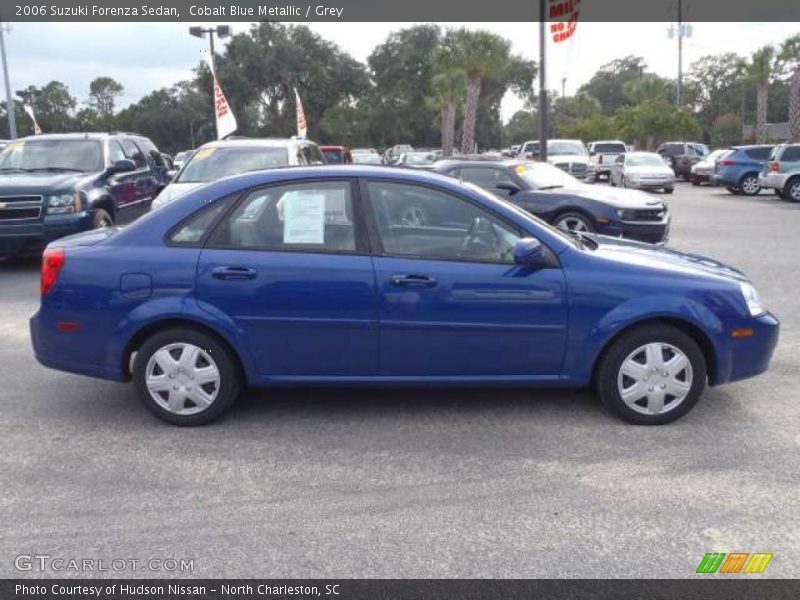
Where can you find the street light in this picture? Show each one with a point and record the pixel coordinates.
(221, 31)
(12, 121)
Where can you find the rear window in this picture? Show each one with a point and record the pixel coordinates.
(615, 148)
(759, 153)
(791, 154)
(210, 164)
(334, 157)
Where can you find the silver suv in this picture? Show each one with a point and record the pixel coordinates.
(782, 172)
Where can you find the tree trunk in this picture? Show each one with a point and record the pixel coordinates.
(742, 106)
(794, 107)
(761, 112)
(470, 114)
(448, 128)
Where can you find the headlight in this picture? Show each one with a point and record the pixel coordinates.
(64, 203)
(751, 298)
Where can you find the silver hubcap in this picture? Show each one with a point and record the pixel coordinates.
(182, 379)
(572, 224)
(750, 185)
(413, 216)
(794, 191)
(655, 378)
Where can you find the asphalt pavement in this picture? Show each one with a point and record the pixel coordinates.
(415, 483)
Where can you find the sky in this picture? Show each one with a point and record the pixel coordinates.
(147, 56)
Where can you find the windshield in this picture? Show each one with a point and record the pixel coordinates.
(419, 158)
(568, 148)
(334, 157)
(544, 176)
(209, 164)
(366, 159)
(644, 160)
(716, 155)
(53, 155)
(610, 147)
(181, 156)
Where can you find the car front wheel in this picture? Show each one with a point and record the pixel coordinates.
(669, 190)
(186, 377)
(651, 375)
(573, 221)
(102, 219)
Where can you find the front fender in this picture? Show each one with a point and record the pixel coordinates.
(584, 348)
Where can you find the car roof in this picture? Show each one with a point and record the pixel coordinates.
(752, 146)
(465, 162)
(256, 143)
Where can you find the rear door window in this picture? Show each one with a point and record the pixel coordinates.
(759, 153)
(135, 153)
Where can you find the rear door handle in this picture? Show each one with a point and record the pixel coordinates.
(413, 280)
(233, 272)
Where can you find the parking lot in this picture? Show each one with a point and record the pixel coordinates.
(416, 483)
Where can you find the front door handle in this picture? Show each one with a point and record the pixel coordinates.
(233, 273)
(413, 280)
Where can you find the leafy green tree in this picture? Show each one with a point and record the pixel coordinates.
(53, 106)
(647, 87)
(595, 127)
(726, 130)
(656, 121)
(719, 85)
(103, 95)
(522, 126)
(607, 84)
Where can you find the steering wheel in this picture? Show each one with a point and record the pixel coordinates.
(473, 238)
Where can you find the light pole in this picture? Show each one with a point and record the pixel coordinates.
(12, 121)
(221, 31)
(542, 82)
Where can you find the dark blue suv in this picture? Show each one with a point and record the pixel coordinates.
(60, 184)
(738, 170)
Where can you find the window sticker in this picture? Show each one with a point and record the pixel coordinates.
(303, 217)
(13, 146)
(204, 153)
(520, 169)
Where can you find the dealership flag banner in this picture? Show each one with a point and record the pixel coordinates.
(302, 129)
(29, 109)
(226, 121)
(565, 12)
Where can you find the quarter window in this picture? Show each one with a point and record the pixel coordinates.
(420, 222)
(486, 177)
(791, 154)
(133, 152)
(315, 216)
(195, 228)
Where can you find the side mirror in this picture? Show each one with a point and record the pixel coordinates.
(592, 153)
(511, 188)
(529, 253)
(123, 165)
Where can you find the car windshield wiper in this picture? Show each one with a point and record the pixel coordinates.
(17, 169)
(55, 169)
(551, 187)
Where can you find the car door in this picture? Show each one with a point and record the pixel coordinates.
(134, 189)
(452, 303)
(290, 268)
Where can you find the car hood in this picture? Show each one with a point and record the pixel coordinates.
(616, 197)
(573, 158)
(39, 183)
(648, 170)
(653, 256)
(174, 190)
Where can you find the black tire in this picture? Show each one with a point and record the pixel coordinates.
(611, 361)
(746, 183)
(791, 190)
(229, 375)
(669, 190)
(695, 182)
(778, 193)
(102, 219)
(732, 190)
(587, 221)
(611, 181)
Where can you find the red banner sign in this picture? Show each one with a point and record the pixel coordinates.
(565, 13)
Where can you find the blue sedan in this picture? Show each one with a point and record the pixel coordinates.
(320, 276)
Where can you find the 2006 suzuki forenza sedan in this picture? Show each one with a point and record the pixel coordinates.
(326, 275)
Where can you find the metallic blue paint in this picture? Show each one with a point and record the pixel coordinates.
(312, 318)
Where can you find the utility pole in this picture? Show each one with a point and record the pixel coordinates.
(542, 81)
(12, 120)
(563, 87)
(680, 52)
(221, 31)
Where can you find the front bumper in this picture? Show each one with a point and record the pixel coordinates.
(641, 231)
(749, 356)
(33, 237)
(651, 184)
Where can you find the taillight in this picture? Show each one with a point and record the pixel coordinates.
(727, 162)
(52, 261)
(774, 167)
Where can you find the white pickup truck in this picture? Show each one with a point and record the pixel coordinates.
(603, 154)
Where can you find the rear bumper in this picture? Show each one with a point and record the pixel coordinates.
(700, 177)
(774, 181)
(33, 237)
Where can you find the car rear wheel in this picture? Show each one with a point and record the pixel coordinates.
(186, 377)
(748, 185)
(574, 221)
(669, 190)
(651, 375)
(778, 193)
(102, 219)
(792, 190)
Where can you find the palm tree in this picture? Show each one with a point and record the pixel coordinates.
(477, 54)
(761, 72)
(647, 87)
(789, 59)
(448, 91)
